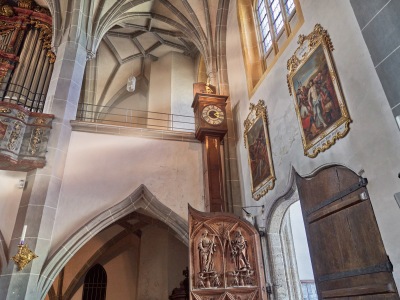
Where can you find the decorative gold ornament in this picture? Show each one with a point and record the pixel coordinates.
(24, 256)
(208, 88)
(21, 115)
(14, 137)
(25, 4)
(39, 121)
(319, 101)
(257, 142)
(5, 110)
(52, 57)
(36, 139)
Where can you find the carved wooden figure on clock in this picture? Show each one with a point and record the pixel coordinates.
(211, 127)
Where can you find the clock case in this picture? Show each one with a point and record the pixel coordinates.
(202, 127)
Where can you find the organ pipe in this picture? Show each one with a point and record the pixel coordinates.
(27, 60)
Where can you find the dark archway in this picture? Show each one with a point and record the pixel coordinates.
(141, 200)
(95, 284)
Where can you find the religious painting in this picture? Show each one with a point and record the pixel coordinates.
(319, 101)
(259, 150)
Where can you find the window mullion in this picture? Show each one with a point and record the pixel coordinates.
(271, 26)
(259, 35)
(285, 17)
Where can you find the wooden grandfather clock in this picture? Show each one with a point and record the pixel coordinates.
(211, 127)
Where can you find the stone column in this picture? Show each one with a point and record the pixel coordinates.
(39, 200)
(232, 180)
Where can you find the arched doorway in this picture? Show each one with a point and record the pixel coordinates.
(346, 248)
(281, 264)
(128, 239)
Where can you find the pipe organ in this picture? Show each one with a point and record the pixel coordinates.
(26, 66)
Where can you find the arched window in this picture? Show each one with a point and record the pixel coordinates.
(95, 284)
(274, 19)
(266, 28)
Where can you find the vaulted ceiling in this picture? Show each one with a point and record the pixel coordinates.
(149, 27)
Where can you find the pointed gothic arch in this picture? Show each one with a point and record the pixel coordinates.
(141, 200)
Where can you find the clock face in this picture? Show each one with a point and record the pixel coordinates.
(213, 115)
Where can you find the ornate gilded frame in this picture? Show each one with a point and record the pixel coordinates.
(309, 44)
(257, 115)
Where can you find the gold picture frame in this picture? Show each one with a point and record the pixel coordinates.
(319, 101)
(257, 142)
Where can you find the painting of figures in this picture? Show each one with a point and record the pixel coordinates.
(258, 154)
(315, 87)
(259, 151)
(316, 96)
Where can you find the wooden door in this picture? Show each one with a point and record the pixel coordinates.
(346, 248)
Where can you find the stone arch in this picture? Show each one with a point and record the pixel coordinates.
(141, 200)
(281, 259)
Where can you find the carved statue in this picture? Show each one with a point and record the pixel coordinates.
(235, 278)
(206, 248)
(200, 282)
(239, 252)
(215, 282)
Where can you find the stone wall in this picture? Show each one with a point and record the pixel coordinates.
(373, 142)
(379, 24)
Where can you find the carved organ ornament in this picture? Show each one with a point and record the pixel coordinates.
(225, 258)
(26, 58)
(23, 138)
(26, 66)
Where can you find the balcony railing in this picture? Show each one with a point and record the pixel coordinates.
(20, 95)
(134, 118)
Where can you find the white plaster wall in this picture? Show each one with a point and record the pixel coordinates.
(182, 79)
(373, 142)
(102, 170)
(160, 85)
(10, 196)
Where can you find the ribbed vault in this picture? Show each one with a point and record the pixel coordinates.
(186, 26)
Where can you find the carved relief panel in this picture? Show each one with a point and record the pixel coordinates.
(23, 138)
(225, 258)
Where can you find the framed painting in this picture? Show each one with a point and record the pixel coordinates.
(256, 139)
(314, 84)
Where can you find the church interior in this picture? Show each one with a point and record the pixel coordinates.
(122, 120)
